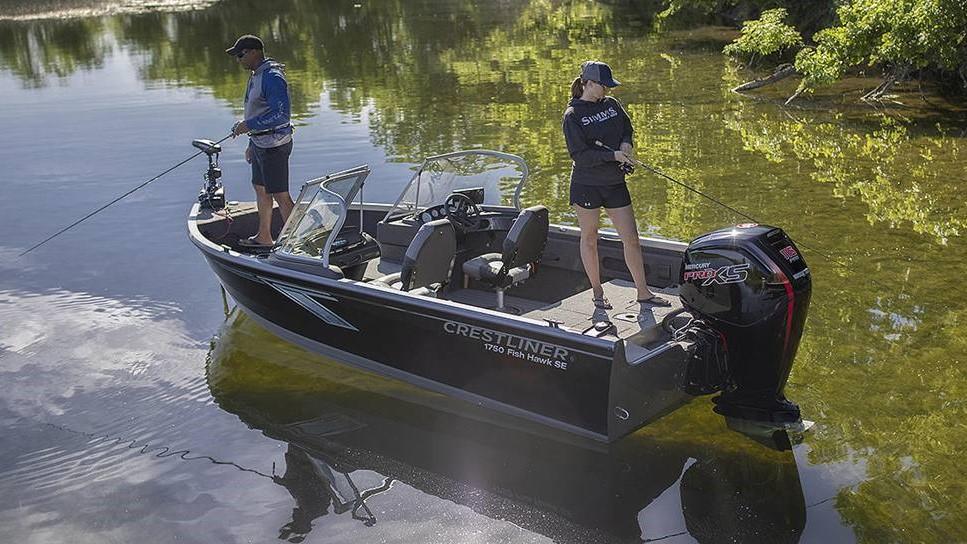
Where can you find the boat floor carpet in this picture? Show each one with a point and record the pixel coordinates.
(637, 323)
(482, 298)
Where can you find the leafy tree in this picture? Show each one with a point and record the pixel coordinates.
(897, 37)
(766, 36)
(900, 36)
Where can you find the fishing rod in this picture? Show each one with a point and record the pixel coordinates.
(715, 200)
(95, 212)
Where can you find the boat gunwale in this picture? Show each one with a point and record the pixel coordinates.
(227, 255)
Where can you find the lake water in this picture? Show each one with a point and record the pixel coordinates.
(136, 408)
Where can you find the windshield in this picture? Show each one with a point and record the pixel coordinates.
(319, 214)
(500, 175)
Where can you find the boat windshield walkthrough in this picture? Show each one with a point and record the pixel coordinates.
(457, 288)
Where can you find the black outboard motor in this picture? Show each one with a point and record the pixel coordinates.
(749, 286)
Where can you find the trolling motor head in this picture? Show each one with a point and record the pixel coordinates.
(212, 194)
(207, 146)
(748, 287)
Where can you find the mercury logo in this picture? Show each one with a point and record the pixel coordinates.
(735, 273)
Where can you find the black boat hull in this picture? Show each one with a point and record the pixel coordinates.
(577, 383)
(537, 376)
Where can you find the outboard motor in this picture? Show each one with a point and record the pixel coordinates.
(748, 287)
(212, 194)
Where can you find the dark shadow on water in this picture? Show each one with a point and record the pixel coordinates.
(337, 421)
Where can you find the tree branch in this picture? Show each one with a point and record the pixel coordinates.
(782, 72)
(898, 74)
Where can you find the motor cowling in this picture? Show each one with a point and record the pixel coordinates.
(751, 286)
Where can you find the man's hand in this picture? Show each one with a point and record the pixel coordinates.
(248, 154)
(239, 128)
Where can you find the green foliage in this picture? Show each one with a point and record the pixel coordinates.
(906, 33)
(765, 36)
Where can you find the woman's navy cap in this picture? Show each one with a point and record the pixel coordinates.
(600, 72)
(246, 41)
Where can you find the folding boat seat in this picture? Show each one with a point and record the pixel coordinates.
(428, 261)
(522, 251)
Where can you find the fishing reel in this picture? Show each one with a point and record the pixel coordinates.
(626, 168)
(212, 194)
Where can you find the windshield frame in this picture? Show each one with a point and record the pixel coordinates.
(301, 208)
(399, 209)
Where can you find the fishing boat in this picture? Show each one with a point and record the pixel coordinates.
(458, 288)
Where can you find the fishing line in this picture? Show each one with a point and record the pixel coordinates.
(160, 452)
(720, 203)
(95, 212)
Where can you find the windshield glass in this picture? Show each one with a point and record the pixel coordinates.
(319, 214)
(500, 175)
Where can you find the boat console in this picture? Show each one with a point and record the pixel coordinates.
(352, 250)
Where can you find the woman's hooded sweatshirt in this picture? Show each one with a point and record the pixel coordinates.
(586, 122)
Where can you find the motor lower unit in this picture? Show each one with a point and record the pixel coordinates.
(748, 289)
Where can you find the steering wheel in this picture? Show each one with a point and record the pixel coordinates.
(462, 212)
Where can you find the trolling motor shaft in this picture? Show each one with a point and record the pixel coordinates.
(212, 194)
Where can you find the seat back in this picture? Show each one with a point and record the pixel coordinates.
(429, 257)
(527, 237)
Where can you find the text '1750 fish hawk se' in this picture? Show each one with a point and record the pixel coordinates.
(457, 289)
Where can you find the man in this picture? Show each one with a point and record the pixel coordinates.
(270, 134)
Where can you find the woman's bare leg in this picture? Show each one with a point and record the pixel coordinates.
(589, 221)
(624, 222)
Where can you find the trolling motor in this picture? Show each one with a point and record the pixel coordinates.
(212, 194)
(748, 288)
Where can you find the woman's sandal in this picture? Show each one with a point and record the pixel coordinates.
(602, 303)
(655, 300)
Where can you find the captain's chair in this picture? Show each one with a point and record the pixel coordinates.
(428, 261)
(523, 249)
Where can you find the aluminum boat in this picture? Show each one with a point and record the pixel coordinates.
(458, 288)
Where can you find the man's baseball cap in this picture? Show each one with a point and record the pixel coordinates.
(600, 72)
(246, 41)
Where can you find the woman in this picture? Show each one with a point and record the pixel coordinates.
(598, 175)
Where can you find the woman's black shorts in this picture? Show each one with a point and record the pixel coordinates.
(597, 196)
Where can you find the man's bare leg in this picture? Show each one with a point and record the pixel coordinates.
(263, 201)
(285, 204)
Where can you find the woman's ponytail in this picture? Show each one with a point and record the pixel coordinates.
(577, 87)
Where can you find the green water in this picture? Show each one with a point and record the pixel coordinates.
(96, 104)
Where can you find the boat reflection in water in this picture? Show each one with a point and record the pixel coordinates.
(341, 423)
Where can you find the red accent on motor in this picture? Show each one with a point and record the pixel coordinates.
(752, 286)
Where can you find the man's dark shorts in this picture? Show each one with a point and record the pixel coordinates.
(270, 167)
(592, 197)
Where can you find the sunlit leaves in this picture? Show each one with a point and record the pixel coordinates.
(766, 36)
(906, 33)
